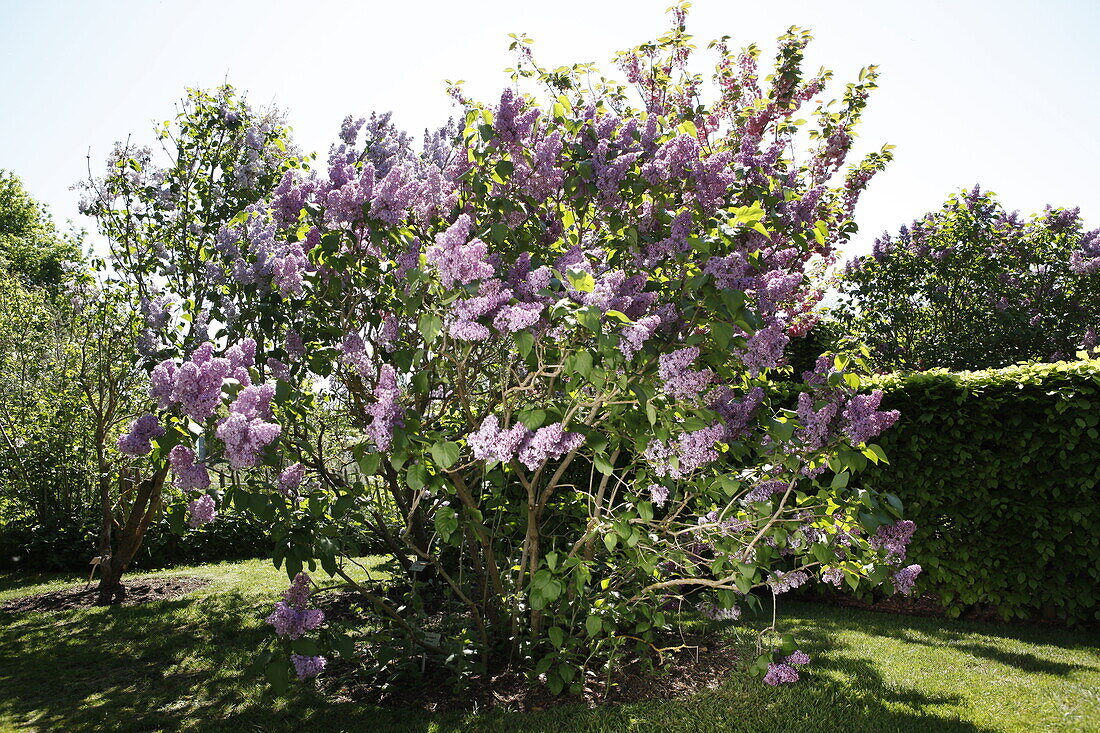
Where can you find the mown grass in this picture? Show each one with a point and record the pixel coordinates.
(179, 665)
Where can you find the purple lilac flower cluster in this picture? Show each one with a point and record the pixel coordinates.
(291, 618)
(138, 441)
(780, 674)
(386, 411)
(689, 452)
(246, 432)
(894, 538)
(290, 479)
(306, 667)
(905, 578)
(201, 511)
(781, 582)
(863, 420)
(717, 613)
(531, 447)
(679, 379)
(189, 475)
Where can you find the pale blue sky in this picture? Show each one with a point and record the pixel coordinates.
(999, 92)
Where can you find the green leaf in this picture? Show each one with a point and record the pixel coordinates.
(429, 326)
(445, 454)
(525, 341)
(581, 281)
(368, 463)
(446, 522)
(603, 465)
(278, 675)
(533, 419)
(593, 625)
(557, 636)
(417, 476)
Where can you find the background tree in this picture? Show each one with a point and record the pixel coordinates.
(224, 156)
(971, 286)
(31, 248)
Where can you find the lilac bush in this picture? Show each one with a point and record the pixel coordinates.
(549, 339)
(972, 286)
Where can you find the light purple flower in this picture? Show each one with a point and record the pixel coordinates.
(138, 441)
(290, 479)
(189, 477)
(548, 443)
(202, 511)
(456, 259)
(679, 380)
(658, 493)
(307, 667)
(386, 410)
(780, 674)
(245, 438)
(904, 579)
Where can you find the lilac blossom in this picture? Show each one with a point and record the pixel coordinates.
(353, 352)
(458, 260)
(386, 410)
(292, 622)
(797, 657)
(307, 667)
(189, 476)
(658, 494)
(717, 613)
(198, 386)
(765, 490)
(490, 443)
(781, 582)
(636, 334)
(245, 438)
(690, 452)
(903, 579)
(290, 479)
(780, 674)
(201, 511)
(862, 419)
(764, 349)
(548, 443)
(138, 441)
(254, 401)
(679, 380)
(894, 538)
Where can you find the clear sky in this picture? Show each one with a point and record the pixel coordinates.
(1005, 93)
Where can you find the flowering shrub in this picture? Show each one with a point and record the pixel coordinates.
(550, 332)
(972, 286)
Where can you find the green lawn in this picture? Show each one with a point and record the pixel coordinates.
(177, 665)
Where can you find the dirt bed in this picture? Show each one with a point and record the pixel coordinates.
(138, 591)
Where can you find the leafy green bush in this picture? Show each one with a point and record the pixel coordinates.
(999, 470)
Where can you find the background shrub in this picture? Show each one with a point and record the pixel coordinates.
(999, 469)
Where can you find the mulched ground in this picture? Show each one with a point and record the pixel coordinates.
(700, 664)
(139, 591)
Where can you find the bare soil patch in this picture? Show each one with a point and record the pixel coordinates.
(138, 591)
(686, 666)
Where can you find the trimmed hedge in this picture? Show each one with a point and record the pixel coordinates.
(999, 469)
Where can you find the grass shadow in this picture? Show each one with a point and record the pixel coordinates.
(178, 665)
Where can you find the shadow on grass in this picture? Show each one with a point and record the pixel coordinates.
(14, 580)
(178, 665)
(961, 635)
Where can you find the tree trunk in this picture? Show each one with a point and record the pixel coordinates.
(147, 502)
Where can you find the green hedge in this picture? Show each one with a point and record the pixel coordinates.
(999, 469)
